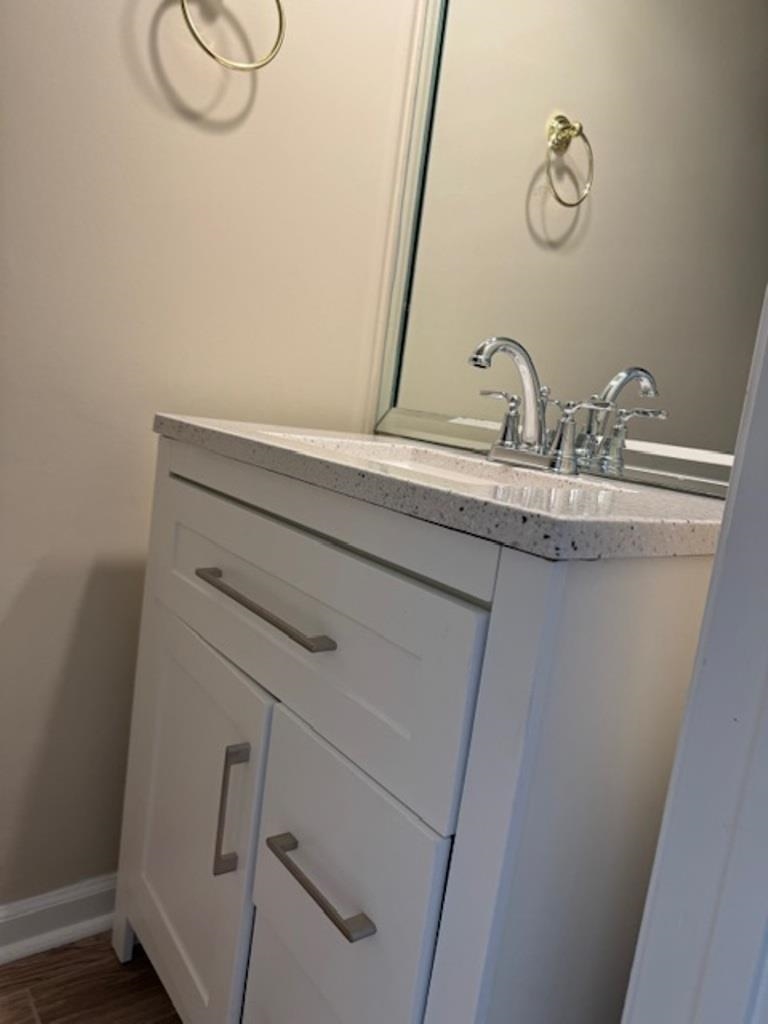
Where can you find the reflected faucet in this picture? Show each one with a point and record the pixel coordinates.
(532, 434)
(610, 393)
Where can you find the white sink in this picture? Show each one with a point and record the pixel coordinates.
(456, 470)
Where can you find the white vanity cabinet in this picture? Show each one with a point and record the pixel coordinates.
(201, 737)
(396, 689)
(391, 772)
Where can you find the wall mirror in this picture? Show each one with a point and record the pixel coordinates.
(663, 266)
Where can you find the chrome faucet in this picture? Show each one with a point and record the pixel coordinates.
(524, 439)
(597, 421)
(532, 430)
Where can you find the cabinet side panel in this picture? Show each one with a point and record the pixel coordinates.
(622, 654)
(525, 606)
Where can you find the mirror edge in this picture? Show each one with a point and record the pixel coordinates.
(427, 74)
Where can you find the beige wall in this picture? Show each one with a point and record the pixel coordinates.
(665, 264)
(168, 240)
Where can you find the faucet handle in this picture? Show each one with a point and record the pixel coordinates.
(569, 409)
(595, 404)
(505, 395)
(545, 396)
(623, 416)
(510, 428)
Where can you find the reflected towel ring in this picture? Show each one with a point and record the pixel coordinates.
(561, 132)
(236, 65)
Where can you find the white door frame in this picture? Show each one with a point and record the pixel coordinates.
(702, 955)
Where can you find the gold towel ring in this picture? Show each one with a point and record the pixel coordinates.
(561, 132)
(236, 65)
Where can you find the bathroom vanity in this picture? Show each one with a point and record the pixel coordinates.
(402, 729)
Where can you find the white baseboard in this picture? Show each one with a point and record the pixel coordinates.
(56, 918)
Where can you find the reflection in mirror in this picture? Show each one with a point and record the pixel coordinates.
(662, 266)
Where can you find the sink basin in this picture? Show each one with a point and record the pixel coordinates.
(458, 471)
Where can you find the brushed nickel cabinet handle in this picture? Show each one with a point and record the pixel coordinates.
(236, 753)
(352, 928)
(314, 644)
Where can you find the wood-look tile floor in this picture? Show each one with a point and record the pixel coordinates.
(83, 984)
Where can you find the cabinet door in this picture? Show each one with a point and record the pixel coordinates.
(188, 893)
(348, 891)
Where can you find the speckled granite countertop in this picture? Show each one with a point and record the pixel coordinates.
(553, 517)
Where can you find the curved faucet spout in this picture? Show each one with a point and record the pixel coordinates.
(532, 427)
(614, 387)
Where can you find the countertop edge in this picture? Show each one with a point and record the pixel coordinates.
(530, 531)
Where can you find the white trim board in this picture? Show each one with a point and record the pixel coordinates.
(56, 918)
(702, 955)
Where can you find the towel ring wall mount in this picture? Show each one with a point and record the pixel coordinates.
(561, 131)
(236, 65)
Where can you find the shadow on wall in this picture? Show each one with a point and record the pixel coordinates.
(67, 658)
(171, 70)
(550, 225)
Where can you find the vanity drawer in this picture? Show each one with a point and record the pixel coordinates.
(374, 863)
(393, 683)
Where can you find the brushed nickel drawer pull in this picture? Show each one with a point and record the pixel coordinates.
(236, 753)
(313, 644)
(352, 928)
